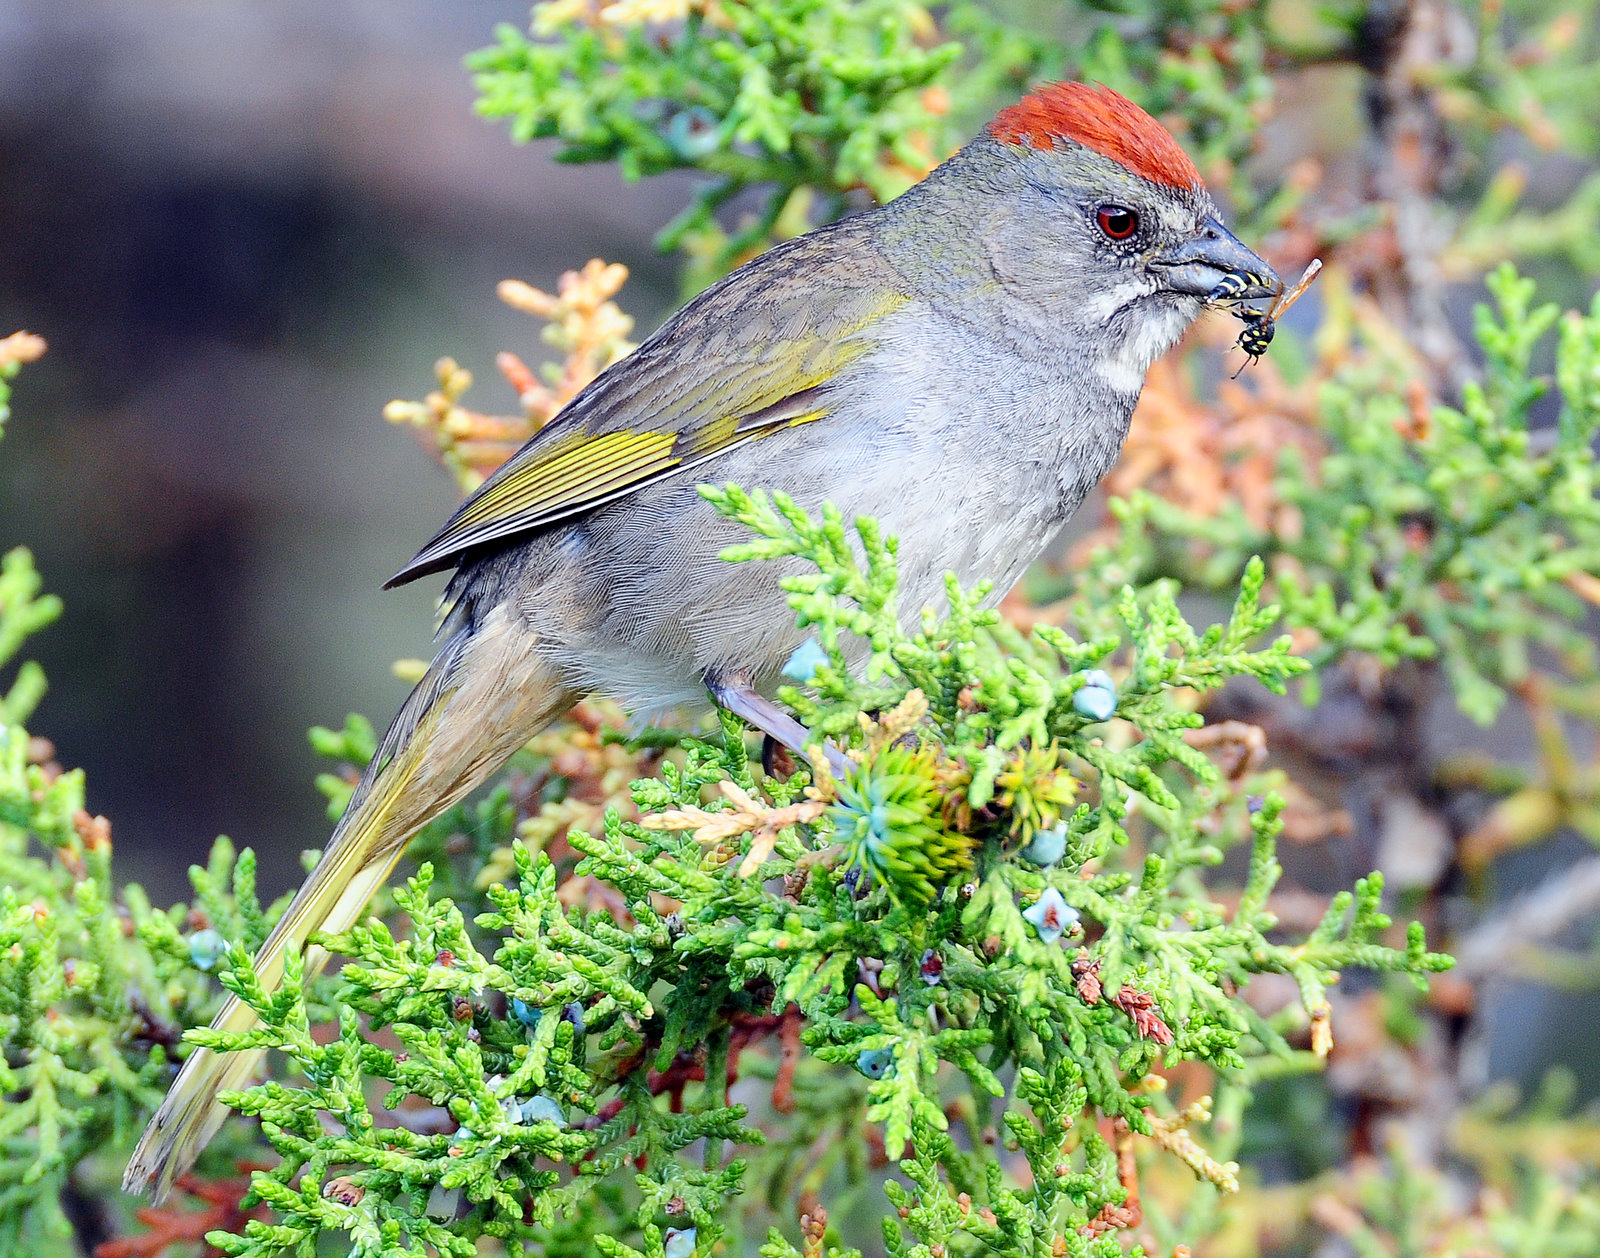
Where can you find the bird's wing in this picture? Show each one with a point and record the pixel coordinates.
(746, 358)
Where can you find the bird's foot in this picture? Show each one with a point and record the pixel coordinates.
(761, 713)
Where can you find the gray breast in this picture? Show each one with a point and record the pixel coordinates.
(971, 457)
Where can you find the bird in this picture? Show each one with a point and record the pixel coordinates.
(961, 362)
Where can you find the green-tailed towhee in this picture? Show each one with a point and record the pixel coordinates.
(961, 363)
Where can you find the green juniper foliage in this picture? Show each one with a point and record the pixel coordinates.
(353, 745)
(800, 100)
(1543, 1215)
(1539, 1196)
(9, 366)
(819, 92)
(23, 612)
(96, 986)
(96, 991)
(574, 1067)
(1536, 71)
(808, 101)
(1451, 544)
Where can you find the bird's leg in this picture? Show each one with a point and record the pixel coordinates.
(738, 697)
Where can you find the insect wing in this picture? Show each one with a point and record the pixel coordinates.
(1287, 298)
(1258, 329)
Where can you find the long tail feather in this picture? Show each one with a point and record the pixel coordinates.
(483, 697)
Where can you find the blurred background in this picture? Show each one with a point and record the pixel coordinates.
(243, 228)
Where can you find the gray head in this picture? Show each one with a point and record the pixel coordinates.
(1092, 220)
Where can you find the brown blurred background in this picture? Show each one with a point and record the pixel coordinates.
(243, 228)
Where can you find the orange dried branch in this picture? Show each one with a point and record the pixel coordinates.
(894, 724)
(651, 12)
(1322, 1029)
(170, 1226)
(1306, 819)
(1208, 456)
(1241, 748)
(1171, 1132)
(748, 816)
(597, 771)
(1141, 1007)
(1202, 457)
(582, 322)
(20, 347)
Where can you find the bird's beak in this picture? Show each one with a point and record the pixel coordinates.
(1213, 264)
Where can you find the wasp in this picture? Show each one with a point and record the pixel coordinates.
(1259, 325)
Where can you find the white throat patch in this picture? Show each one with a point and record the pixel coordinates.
(1123, 367)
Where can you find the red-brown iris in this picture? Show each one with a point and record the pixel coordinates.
(1117, 221)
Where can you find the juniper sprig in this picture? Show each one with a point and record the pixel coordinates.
(1460, 534)
(903, 930)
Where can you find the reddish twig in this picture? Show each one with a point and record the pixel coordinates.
(1130, 1213)
(170, 1226)
(744, 1030)
(788, 1059)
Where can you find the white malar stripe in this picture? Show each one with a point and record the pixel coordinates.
(1124, 368)
(1099, 306)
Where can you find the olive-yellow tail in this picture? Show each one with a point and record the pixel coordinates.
(485, 694)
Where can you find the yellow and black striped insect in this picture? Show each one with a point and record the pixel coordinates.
(1259, 325)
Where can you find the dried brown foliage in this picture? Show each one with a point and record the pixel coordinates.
(171, 1226)
(582, 323)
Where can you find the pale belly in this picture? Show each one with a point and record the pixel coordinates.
(635, 601)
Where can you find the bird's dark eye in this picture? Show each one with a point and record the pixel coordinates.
(1117, 221)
